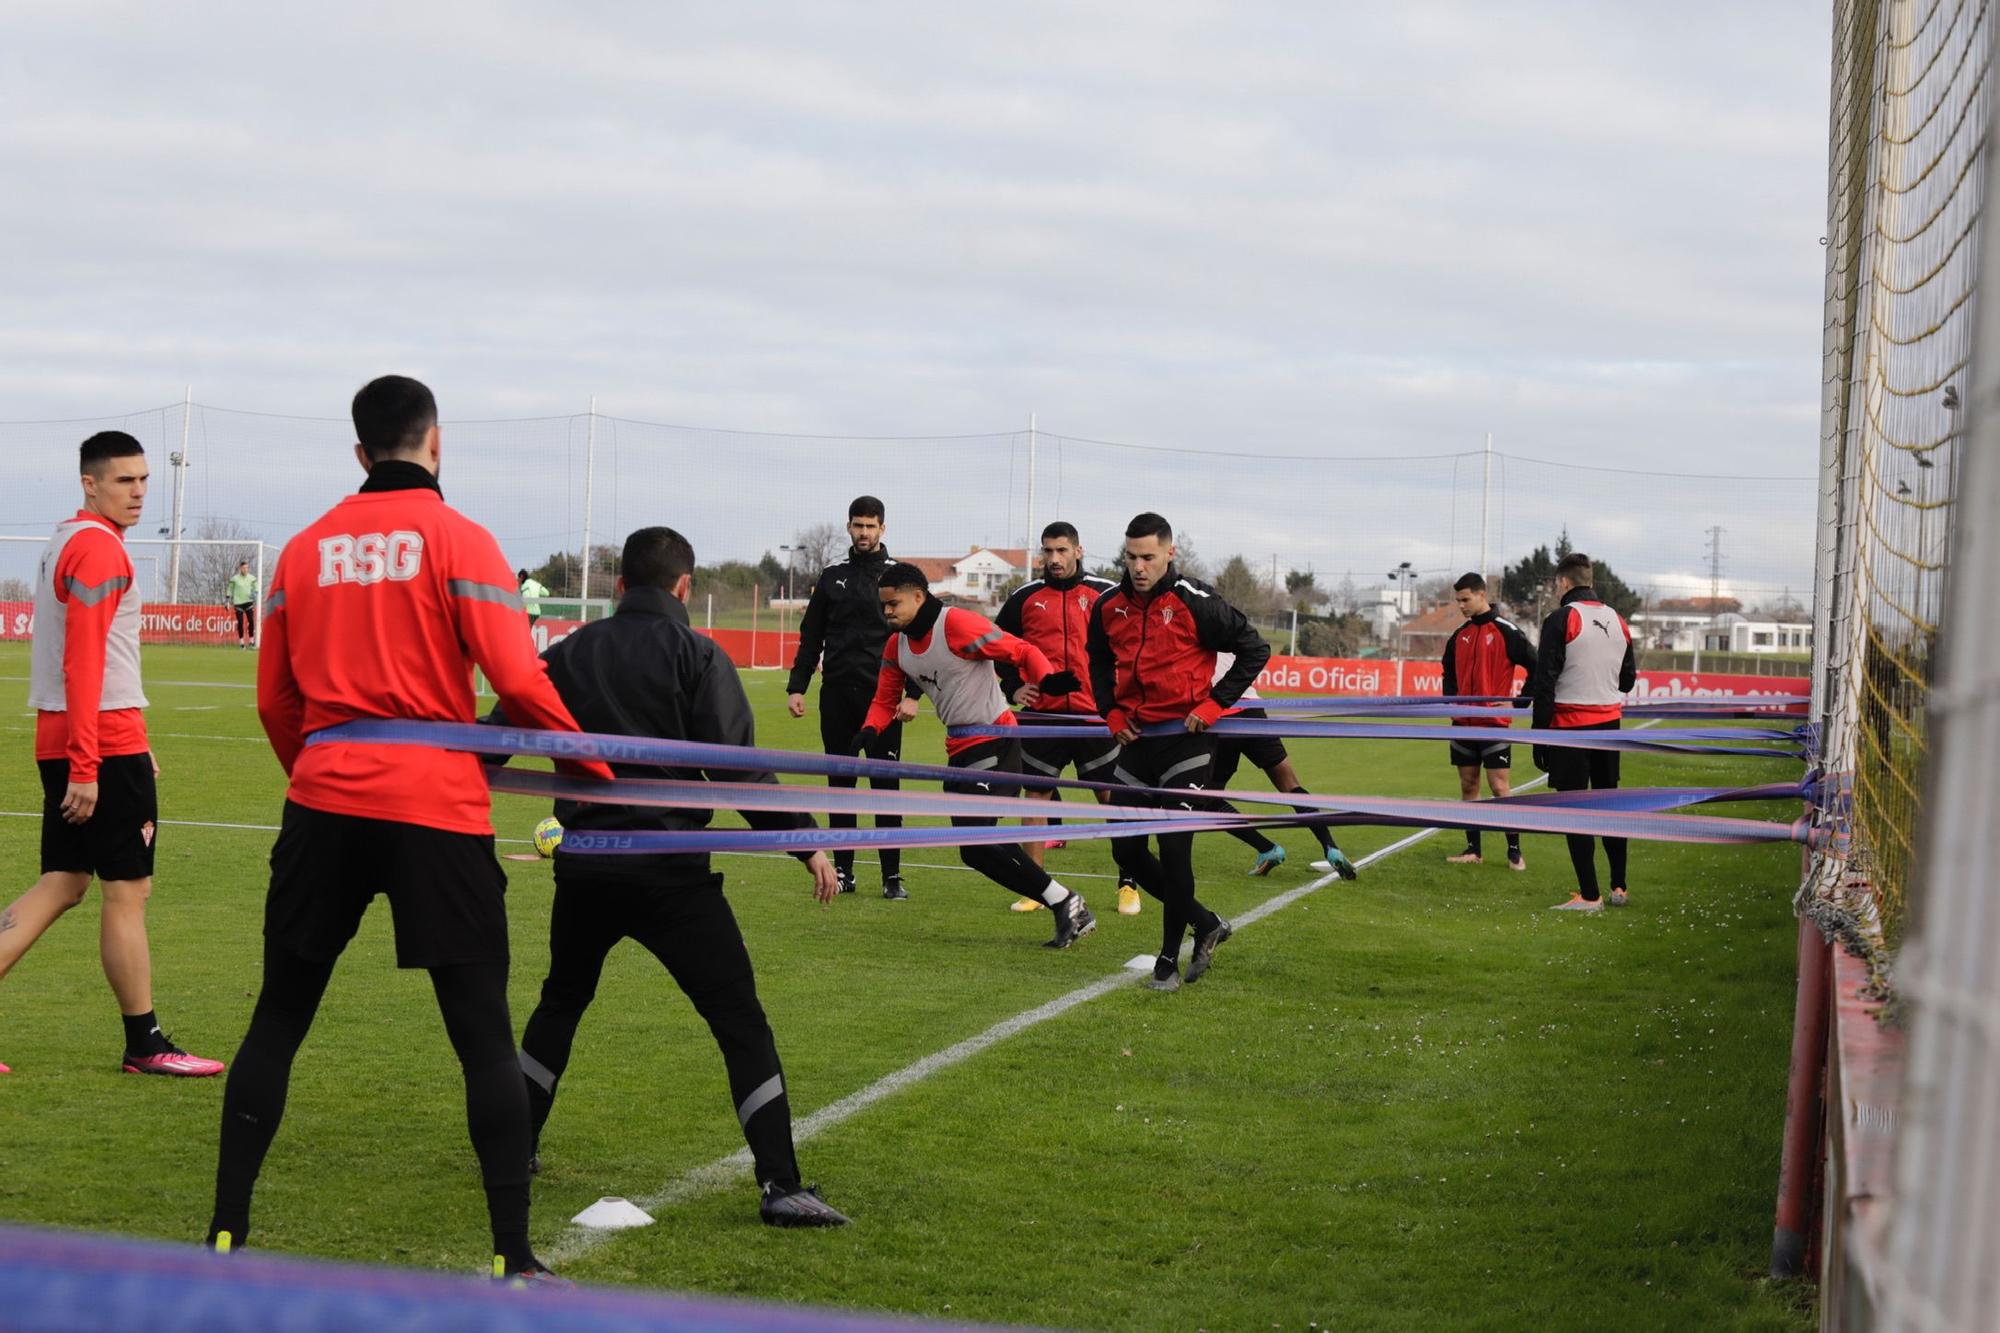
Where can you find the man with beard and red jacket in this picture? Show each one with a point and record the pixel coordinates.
(1480, 658)
(1153, 641)
(1053, 613)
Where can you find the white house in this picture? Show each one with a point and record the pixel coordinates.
(1732, 633)
(1674, 631)
(976, 576)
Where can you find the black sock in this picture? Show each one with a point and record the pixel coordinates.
(511, 1244)
(142, 1034)
(1513, 846)
(1472, 842)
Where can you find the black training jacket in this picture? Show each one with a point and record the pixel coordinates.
(843, 625)
(645, 672)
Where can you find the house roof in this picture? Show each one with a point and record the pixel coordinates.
(937, 568)
(1438, 620)
(1017, 556)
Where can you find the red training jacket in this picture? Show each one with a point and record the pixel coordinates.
(380, 609)
(1054, 615)
(1481, 657)
(1152, 659)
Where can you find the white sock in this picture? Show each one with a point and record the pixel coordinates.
(1054, 893)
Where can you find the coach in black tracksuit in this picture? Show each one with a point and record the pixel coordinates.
(843, 634)
(645, 672)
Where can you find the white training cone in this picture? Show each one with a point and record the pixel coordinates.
(613, 1214)
(1143, 963)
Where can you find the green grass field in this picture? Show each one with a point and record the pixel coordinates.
(1413, 1101)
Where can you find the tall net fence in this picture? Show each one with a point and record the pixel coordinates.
(1344, 550)
(1910, 104)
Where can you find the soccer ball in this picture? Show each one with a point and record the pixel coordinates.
(548, 835)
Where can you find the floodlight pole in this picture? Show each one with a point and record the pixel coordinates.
(1028, 544)
(589, 480)
(180, 463)
(1485, 503)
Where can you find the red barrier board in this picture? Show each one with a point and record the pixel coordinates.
(745, 647)
(162, 622)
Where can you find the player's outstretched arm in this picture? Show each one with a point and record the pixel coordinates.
(1224, 629)
(719, 714)
(1549, 659)
(1104, 676)
(281, 705)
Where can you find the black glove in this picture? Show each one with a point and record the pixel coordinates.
(1059, 682)
(1540, 754)
(862, 740)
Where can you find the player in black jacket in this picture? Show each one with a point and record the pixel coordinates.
(843, 634)
(644, 672)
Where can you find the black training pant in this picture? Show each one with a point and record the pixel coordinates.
(472, 997)
(1006, 864)
(1165, 761)
(1572, 769)
(841, 714)
(690, 929)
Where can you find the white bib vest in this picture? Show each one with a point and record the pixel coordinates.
(121, 649)
(963, 693)
(1592, 659)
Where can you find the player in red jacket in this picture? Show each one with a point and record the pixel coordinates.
(100, 810)
(1053, 613)
(381, 609)
(1481, 658)
(1153, 643)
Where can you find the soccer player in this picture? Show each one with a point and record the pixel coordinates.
(1053, 613)
(645, 672)
(1269, 755)
(532, 592)
(1584, 668)
(1153, 641)
(243, 599)
(842, 633)
(949, 654)
(1480, 658)
(381, 608)
(100, 808)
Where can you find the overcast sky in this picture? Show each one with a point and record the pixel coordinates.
(1333, 229)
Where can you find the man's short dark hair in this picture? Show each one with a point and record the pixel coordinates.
(520, 576)
(1469, 583)
(903, 574)
(392, 415)
(104, 446)
(1060, 531)
(1576, 568)
(867, 506)
(655, 558)
(243, 564)
(1150, 525)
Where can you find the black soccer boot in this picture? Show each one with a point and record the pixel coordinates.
(1204, 949)
(1073, 922)
(893, 890)
(792, 1205)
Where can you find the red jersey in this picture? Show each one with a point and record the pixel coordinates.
(1054, 615)
(1481, 658)
(86, 598)
(381, 609)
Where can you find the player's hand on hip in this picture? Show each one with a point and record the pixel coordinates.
(79, 802)
(906, 711)
(1196, 722)
(826, 884)
(1028, 696)
(796, 704)
(155, 761)
(1127, 736)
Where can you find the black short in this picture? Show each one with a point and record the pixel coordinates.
(1573, 769)
(1264, 752)
(446, 890)
(841, 715)
(1089, 750)
(988, 759)
(1482, 754)
(1186, 760)
(116, 842)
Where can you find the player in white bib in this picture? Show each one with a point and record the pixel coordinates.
(949, 653)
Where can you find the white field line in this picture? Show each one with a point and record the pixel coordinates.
(576, 1241)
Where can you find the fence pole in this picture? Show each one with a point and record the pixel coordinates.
(1029, 545)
